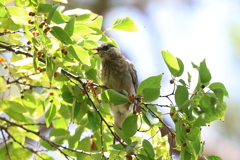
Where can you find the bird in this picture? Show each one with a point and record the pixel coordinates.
(118, 73)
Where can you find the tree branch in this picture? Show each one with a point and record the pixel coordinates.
(55, 145)
(5, 142)
(17, 51)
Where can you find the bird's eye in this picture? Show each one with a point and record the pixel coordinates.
(105, 48)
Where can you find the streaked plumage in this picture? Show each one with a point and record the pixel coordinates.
(118, 73)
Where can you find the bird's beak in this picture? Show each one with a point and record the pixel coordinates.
(97, 49)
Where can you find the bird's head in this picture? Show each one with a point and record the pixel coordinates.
(107, 51)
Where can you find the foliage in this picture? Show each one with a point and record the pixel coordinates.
(53, 73)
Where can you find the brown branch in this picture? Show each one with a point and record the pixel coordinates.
(26, 84)
(78, 78)
(156, 105)
(57, 146)
(5, 142)
(17, 51)
(160, 120)
(101, 140)
(171, 94)
(10, 32)
(30, 149)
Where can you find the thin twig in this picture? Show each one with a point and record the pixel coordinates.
(160, 120)
(17, 51)
(10, 32)
(30, 149)
(101, 140)
(57, 146)
(78, 78)
(5, 142)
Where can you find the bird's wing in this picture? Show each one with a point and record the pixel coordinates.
(133, 73)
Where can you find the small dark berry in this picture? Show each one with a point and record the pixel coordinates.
(29, 42)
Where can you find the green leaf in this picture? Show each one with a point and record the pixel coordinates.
(92, 74)
(218, 85)
(84, 144)
(3, 85)
(194, 134)
(142, 157)
(69, 28)
(116, 147)
(129, 126)
(30, 103)
(202, 120)
(151, 82)
(151, 94)
(190, 147)
(74, 138)
(213, 158)
(47, 145)
(204, 73)
(76, 108)
(51, 13)
(121, 134)
(2, 10)
(151, 118)
(79, 54)
(124, 24)
(181, 95)
(60, 123)
(20, 154)
(17, 107)
(148, 148)
(217, 112)
(83, 30)
(171, 62)
(59, 135)
(34, 2)
(15, 115)
(17, 11)
(59, 18)
(94, 121)
(50, 68)
(114, 97)
(62, 1)
(44, 156)
(189, 77)
(9, 24)
(205, 101)
(195, 66)
(96, 24)
(219, 94)
(185, 154)
(60, 34)
(182, 82)
(181, 66)
(50, 114)
(44, 8)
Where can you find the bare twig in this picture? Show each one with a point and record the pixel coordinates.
(30, 149)
(5, 142)
(101, 140)
(55, 145)
(160, 120)
(10, 32)
(17, 51)
(78, 78)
